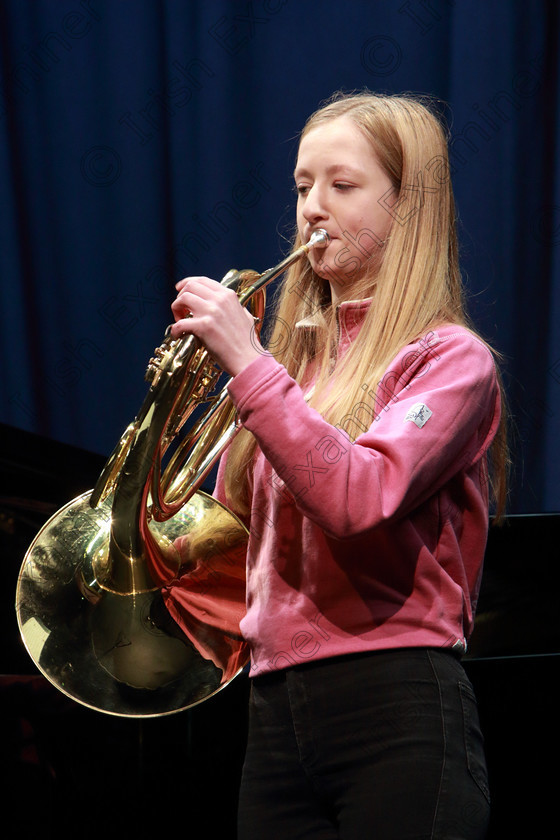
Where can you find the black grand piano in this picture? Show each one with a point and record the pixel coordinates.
(68, 771)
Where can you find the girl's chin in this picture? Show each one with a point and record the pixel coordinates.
(328, 270)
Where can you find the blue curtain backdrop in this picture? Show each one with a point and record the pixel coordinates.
(141, 141)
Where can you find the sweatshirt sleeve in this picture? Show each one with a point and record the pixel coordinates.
(440, 411)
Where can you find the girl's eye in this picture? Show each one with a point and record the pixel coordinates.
(342, 187)
(301, 189)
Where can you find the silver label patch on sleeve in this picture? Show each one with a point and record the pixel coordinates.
(419, 414)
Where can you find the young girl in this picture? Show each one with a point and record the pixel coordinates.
(362, 473)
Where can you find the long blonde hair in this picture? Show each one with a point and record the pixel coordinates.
(416, 288)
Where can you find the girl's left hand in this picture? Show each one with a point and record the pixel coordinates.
(216, 317)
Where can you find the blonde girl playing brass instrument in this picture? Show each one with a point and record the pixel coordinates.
(373, 437)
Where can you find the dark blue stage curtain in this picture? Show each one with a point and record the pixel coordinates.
(143, 140)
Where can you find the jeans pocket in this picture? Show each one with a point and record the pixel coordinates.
(474, 741)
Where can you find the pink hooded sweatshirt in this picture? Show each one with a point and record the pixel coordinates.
(374, 544)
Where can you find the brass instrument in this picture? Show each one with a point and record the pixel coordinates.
(90, 597)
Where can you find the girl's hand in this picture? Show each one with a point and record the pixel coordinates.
(213, 314)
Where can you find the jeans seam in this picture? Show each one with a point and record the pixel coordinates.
(299, 705)
(479, 779)
(444, 737)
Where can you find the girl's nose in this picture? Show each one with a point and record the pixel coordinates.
(314, 207)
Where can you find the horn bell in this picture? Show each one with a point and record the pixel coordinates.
(124, 653)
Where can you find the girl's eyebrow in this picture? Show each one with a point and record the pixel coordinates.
(330, 170)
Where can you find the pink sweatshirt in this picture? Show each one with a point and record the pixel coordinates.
(374, 544)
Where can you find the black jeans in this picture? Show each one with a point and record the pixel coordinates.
(383, 745)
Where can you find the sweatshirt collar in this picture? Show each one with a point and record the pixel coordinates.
(347, 308)
(350, 317)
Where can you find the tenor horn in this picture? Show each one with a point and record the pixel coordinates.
(90, 597)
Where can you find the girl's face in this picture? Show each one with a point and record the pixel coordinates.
(340, 186)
